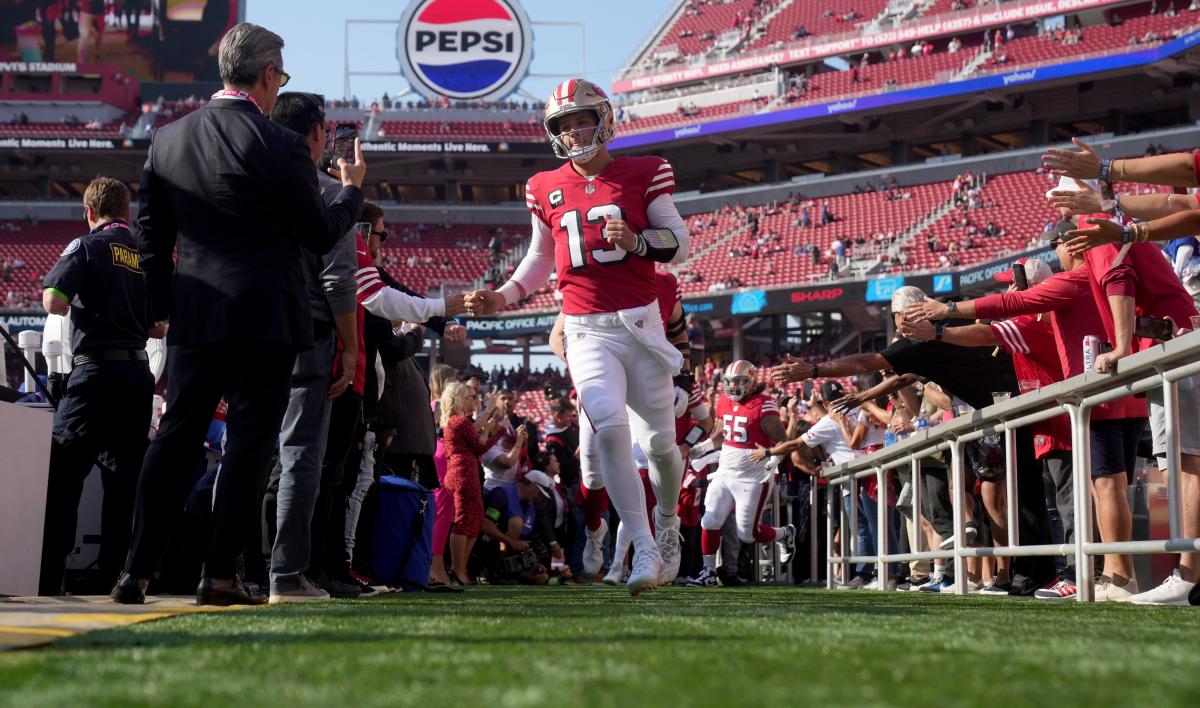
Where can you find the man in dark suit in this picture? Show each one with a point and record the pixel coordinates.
(238, 196)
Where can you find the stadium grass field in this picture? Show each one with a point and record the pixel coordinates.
(497, 647)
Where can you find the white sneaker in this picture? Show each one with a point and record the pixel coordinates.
(593, 550)
(1173, 591)
(647, 569)
(669, 542)
(616, 574)
(972, 587)
(307, 592)
(856, 583)
(1108, 591)
(706, 579)
(874, 584)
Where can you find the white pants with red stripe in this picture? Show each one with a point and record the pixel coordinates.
(744, 499)
(626, 394)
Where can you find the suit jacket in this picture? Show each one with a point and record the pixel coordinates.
(404, 402)
(238, 196)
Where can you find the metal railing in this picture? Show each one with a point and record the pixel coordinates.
(1161, 366)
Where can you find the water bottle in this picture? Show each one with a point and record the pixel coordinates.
(923, 423)
(889, 438)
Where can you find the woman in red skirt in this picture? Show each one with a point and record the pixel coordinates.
(465, 440)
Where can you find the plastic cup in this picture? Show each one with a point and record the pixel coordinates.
(1195, 320)
(1028, 385)
(1000, 396)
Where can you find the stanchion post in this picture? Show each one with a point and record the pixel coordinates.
(1010, 486)
(957, 475)
(1081, 470)
(881, 527)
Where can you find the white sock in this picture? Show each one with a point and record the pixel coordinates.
(622, 481)
(666, 479)
(782, 533)
(710, 562)
(622, 545)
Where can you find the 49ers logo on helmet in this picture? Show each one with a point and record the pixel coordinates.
(464, 49)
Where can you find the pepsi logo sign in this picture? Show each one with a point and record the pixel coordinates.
(464, 49)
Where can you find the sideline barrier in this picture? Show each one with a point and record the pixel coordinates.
(1161, 366)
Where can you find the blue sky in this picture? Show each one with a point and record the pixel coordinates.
(314, 31)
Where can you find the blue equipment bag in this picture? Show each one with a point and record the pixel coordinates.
(403, 547)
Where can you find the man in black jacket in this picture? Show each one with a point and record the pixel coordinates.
(238, 196)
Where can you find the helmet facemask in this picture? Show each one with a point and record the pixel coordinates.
(737, 386)
(601, 134)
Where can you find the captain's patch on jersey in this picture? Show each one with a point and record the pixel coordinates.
(556, 198)
(71, 248)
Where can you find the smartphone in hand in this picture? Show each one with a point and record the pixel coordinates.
(344, 135)
(1019, 277)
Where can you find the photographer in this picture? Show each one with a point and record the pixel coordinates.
(509, 553)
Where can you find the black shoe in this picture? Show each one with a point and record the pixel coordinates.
(346, 589)
(236, 594)
(1194, 595)
(129, 590)
(729, 580)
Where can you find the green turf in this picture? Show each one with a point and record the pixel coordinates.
(496, 647)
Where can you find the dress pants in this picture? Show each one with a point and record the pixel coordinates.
(105, 408)
(329, 516)
(254, 381)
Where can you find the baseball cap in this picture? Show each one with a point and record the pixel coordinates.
(541, 479)
(1036, 270)
(1059, 230)
(831, 391)
(1070, 184)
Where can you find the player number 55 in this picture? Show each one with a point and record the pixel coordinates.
(735, 427)
(574, 225)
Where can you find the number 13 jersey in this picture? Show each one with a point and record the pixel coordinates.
(594, 275)
(741, 425)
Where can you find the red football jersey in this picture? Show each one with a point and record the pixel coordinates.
(668, 294)
(594, 275)
(742, 420)
(1034, 350)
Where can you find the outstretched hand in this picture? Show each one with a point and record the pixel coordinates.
(1099, 232)
(481, 303)
(1083, 163)
(792, 370)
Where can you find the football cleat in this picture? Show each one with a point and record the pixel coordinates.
(647, 569)
(669, 541)
(593, 550)
(787, 546)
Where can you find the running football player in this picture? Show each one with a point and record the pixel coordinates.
(603, 223)
(742, 484)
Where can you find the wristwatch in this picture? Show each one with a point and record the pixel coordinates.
(951, 307)
(938, 330)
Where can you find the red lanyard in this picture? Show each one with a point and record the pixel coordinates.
(239, 96)
(110, 226)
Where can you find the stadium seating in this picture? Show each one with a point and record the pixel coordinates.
(1097, 38)
(819, 18)
(60, 130)
(490, 131)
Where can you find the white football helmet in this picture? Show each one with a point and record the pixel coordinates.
(572, 96)
(737, 379)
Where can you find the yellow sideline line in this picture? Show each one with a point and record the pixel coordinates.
(45, 631)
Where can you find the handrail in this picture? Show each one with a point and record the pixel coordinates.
(1163, 365)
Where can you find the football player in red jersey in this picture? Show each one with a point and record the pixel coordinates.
(692, 423)
(749, 422)
(603, 223)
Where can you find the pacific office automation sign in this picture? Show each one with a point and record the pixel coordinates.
(516, 326)
(949, 23)
(464, 49)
